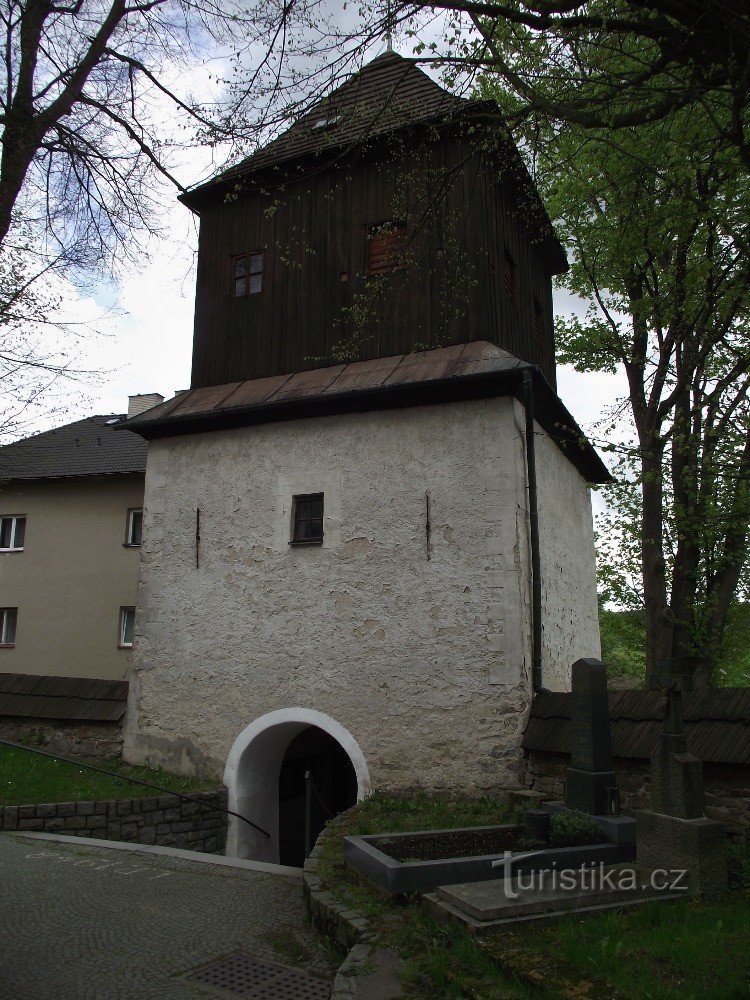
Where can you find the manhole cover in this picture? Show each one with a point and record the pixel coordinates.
(250, 977)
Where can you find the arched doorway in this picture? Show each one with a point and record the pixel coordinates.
(268, 762)
(333, 788)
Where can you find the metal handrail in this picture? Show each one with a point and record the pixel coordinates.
(137, 781)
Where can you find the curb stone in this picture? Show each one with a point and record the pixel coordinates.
(368, 971)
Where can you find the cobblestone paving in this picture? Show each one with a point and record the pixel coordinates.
(83, 923)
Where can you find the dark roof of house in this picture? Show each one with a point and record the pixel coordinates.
(465, 371)
(717, 723)
(81, 699)
(88, 447)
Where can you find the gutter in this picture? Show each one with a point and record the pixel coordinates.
(536, 577)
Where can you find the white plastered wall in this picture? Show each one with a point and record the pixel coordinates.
(424, 662)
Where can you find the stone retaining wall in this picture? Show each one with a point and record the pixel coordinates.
(78, 739)
(727, 787)
(166, 820)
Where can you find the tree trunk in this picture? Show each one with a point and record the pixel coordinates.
(658, 617)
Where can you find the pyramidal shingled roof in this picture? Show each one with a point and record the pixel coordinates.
(387, 94)
(88, 447)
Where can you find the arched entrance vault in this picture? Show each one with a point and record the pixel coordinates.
(252, 776)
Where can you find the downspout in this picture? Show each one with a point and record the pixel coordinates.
(536, 577)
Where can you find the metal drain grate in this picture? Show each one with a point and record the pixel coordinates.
(249, 977)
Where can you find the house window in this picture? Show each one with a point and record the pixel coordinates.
(386, 247)
(307, 520)
(134, 530)
(127, 625)
(12, 533)
(509, 271)
(247, 273)
(8, 617)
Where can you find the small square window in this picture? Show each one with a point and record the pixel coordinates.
(247, 273)
(127, 627)
(307, 520)
(387, 243)
(134, 529)
(8, 618)
(12, 533)
(509, 272)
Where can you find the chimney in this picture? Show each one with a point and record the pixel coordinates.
(138, 404)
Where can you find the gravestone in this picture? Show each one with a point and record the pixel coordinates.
(675, 834)
(590, 780)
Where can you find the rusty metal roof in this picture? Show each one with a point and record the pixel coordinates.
(464, 371)
(74, 699)
(717, 723)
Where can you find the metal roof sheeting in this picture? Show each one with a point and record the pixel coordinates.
(717, 723)
(88, 447)
(74, 699)
(464, 371)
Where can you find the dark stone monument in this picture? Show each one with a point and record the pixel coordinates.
(675, 834)
(590, 781)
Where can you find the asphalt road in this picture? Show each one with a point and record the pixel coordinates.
(82, 923)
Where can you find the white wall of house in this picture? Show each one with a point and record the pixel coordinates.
(425, 662)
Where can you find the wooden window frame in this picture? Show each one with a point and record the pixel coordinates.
(8, 627)
(129, 528)
(247, 258)
(124, 613)
(382, 258)
(298, 537)
(15, 521)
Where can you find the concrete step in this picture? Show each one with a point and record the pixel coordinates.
(546, 894)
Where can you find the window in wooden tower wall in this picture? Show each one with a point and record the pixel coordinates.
(247, 273)
(386, 247)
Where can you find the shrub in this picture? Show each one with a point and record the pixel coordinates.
(572, 828)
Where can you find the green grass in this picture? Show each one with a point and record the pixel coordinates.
(663, 951)
(27, 778)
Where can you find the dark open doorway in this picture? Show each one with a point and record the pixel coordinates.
(335, 781)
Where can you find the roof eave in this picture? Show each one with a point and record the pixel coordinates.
(549, 411)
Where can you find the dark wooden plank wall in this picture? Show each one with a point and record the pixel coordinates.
(452, 290)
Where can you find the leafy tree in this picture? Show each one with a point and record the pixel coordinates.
(657, 228)
(92, 110)
(606, 63)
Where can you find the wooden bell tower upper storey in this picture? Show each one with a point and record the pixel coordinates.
(393, 217)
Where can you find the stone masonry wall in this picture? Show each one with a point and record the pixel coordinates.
(416, 643)
(727, 787)
(166, 820)
(80, 739)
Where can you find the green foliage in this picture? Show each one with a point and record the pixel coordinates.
(657, 226)
(572, 828)
(739, 865)
(27, 778)
(623, 637)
